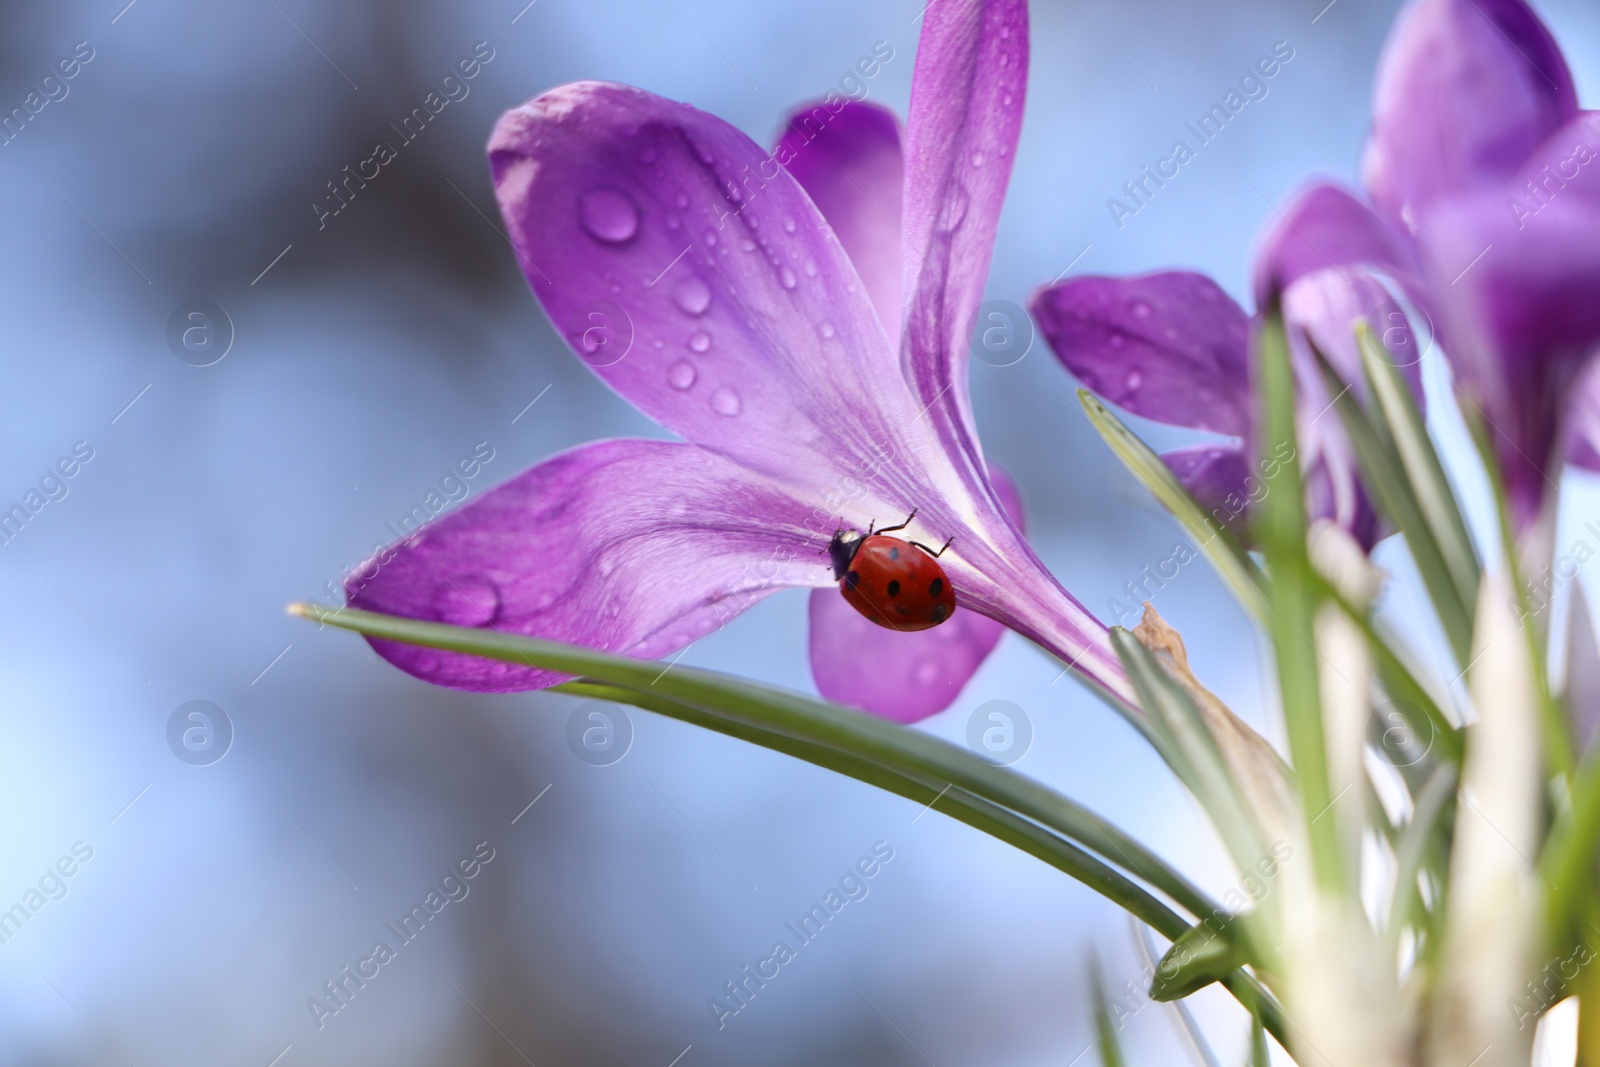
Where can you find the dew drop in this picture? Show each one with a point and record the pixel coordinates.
(711, 237)
(1117, 340)
(608, 215)
(682, 374)
(700, 341)
(1006, 99)
(754, 222)
(788, 225)
(1134, 379)
(977, 159)
(466, 601)
(747, 245)
(682, 200)
(787, 279)
(692, 296)
(1140, 309)
(927, 674)
(825, 329)
(726, 402)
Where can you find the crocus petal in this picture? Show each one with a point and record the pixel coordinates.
(1170, 346)
(1218, 476)
(1324, 227)
(624, 546)
(1325, 307)
(847, 158)
(1466, 90)
(1518, 303)
(698, 279)
(961, 136)
(1583, 448)
(902, 676)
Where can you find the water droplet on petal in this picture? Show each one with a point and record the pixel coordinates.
(682, 200)
(700, 341)
(927, 674)
(1140, 309)
(788, 225)
(825, 329)
(810, 268)
(787, 278)
(608, 215)
(747, 245)
(726, 402)
(1006, 99)
(1117, 340)
(466, 601)
(711, 237)
(1134, 379)
(692, 296)
(682, 374)
(977, 159)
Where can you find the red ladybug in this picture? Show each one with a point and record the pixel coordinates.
(897, 584)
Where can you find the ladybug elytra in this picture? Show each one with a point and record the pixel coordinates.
(897, 584)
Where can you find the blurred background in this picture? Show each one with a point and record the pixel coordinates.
(355, 357)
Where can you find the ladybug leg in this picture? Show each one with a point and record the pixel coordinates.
(902, 526)
(930, 551)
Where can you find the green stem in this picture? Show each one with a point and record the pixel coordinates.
(782, 713)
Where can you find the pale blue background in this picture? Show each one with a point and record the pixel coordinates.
(195, 143)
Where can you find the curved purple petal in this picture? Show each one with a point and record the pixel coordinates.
(901, 676)
(1325, 307)
(961, 136)
(1518, 274)
(1170, 346)
(1325, 227)
(1466, 90)
(697, 278)
(625, 546)
(848, 160)
(1218, 476)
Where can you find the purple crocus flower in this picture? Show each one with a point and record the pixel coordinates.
(800, 318)
(1173, 347)
(1485, 176)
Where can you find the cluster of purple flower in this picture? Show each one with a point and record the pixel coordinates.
(794, 337)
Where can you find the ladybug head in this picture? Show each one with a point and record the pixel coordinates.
(842, 551)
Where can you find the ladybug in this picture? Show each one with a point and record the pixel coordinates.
(897, 584)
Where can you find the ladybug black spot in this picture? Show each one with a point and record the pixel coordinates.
(936, 587)
(852, 578)
(894, 588)
(938, 614)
